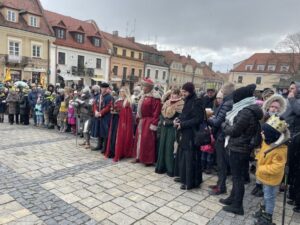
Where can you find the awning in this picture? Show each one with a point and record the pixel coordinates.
(98, 79)
(67, 77)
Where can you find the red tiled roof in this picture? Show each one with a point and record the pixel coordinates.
(75, 25)
(121, 41)
(277, 59)
(30, 6)
(171, 56)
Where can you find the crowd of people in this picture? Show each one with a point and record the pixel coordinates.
(182, 133)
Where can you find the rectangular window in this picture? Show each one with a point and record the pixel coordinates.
(156, 74)
(271, 67)
(248, 67)
(36, 51)
(164, 75)
(60, 33)
(97, 42)
(148, 73)
(140, 55)
(61, 58)
(124, 53)
(140, 73)
(284, 68)
(260, 67)
(132, 54)
(11, 16)
(33, 21)
(14, 48)
(258, 80)
(240, 79)
(98, 63)
(115, 50)
(79, 38)
(115, 70)
(132, 71)
(124, 72)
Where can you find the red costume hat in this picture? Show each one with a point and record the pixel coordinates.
(147, 82)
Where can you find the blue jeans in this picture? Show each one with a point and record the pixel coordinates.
(270, 197)
(39, 119)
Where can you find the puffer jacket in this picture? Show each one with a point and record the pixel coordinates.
(219, 118)
(292, 113)
(270, 167)
(244, 128)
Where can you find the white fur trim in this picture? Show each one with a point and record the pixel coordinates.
(273, 98)
(153, 127)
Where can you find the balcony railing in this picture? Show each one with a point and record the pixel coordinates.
(82, 71)
(15, 59)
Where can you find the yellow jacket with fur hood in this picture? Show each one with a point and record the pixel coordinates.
(270, 168)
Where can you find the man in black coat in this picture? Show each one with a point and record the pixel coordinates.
(190, 173)
(215, 122)
(292, 117)
(242, 124)
(209, 98)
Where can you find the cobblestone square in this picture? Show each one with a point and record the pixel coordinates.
(46, 179)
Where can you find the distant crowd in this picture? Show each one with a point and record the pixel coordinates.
(181, 133)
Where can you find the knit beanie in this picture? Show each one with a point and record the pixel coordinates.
(243, 92)
(189, 87)
(270, 133)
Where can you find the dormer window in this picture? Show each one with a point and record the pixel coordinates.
(33, 21)
(97, 42)
(11, 16)
(248, 67)
(60, 33)
(260, 67)
(284, 68)
(271, 67)
(79, 38)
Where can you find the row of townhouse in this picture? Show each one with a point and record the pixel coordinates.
(267, 70)
(43, 45)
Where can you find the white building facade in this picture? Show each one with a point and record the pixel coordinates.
(65, 62)
(159, 74)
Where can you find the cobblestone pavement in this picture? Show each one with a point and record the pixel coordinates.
(46, 179)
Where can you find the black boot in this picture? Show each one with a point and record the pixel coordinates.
(234, 210)
(259, 213)
(98, 146)
(265, 219)
(256, 188)
(226, 201)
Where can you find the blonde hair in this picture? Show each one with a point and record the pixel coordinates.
(127, 96)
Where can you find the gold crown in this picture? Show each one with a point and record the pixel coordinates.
(278, 124)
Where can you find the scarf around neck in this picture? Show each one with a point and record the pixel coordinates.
(236, 108)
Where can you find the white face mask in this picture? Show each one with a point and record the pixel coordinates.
(272, 113)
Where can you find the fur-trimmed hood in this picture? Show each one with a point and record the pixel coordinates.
(275, 97)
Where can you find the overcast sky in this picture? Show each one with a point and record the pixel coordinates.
(221, 31)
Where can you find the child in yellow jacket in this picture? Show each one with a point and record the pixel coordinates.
(270, 166)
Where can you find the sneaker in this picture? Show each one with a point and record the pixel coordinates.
(234, 210)
(217, 191)
(291, 202)
(258, 213)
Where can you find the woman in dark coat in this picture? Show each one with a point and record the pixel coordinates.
(190, 173)
(2, 104)
(24, 107)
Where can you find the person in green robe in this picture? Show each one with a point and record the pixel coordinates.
(171, 109)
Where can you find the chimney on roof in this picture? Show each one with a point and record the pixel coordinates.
(132, 39)
(203, 63)
(210, 65)
(189, 56)
(115, 33)
(154, 46)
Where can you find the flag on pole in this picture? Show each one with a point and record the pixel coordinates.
(7, 75)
